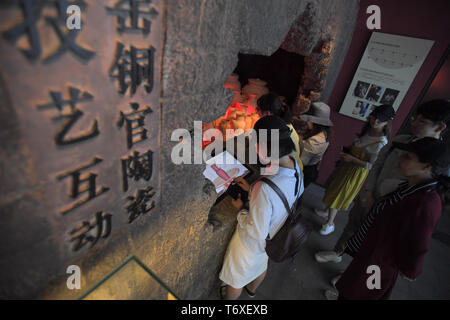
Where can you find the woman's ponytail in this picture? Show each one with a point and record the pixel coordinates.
(271, 102)
(285, 113)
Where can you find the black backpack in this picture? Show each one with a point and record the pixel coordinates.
(288, 241)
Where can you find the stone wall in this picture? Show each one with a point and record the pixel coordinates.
(202, 40)
(200, 53)
(318, 34)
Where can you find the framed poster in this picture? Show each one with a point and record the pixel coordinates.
(388, 67)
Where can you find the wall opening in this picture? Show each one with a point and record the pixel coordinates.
(282, 71)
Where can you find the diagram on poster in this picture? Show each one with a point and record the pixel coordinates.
(222, 169)
(388, 67)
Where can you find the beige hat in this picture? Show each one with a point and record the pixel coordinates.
(320, 114)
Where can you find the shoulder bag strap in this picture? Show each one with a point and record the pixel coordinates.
(279, 192)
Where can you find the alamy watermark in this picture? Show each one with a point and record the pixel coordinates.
(74, 280)
(374, 21)
(189, 150)
(374, 281)
(73, 21)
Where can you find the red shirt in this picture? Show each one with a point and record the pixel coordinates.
(398, 240)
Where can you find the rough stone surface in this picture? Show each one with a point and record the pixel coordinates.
(340, 28)
(317, 34)
(305, 32)
(202, 42)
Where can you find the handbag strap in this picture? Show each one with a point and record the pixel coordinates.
(279, 192)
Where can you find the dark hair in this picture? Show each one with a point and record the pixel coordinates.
(317, 128)
(286, 146)
(285, 143)
(386, 130)
(300, 126)
(271, 102)
(436, 110)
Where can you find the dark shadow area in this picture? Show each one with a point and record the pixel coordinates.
(282, 71)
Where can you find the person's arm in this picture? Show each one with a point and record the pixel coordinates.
(377, 167)
(313, 149)
(306, 152)
(260, 212)
(352, 159)
(373, 154)
(415, 235)
(371, 151)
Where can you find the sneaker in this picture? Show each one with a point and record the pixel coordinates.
(335, 280)
(331, 295)
(327, 256)
(321, 213)
(327, 229)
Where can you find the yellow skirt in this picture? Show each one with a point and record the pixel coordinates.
(344, 185)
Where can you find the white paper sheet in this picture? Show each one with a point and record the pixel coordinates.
(229, 167)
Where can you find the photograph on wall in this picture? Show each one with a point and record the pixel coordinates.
(360, 108)
(361, 89)
(385, 73)
(389, 96)
(374, 93)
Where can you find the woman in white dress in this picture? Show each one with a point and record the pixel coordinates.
(245, 262)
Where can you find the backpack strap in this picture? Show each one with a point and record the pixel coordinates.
(279, 192)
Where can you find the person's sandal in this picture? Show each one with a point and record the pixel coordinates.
(249, 293)
(222, 292)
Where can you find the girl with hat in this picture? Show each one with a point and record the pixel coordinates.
(316, 140)
(396, 233)
(245, 261)
(347, 179)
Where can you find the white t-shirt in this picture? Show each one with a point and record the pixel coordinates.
(373, 148)
(313, 149)
(267, 212)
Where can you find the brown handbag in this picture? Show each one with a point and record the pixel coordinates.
(288, 241)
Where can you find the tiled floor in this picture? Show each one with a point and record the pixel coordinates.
(306, 279)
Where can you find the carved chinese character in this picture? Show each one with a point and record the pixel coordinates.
(67, 43)
(137, 167)
(79, 180)
(138, 205)
(134, 123)
(67, 110)
(132, 67)
(82, 234)
(32, 11)
(31, 15)
(132, 14)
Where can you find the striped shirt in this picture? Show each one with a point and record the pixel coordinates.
(354, 243)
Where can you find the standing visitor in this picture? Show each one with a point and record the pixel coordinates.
(431, 119)
(347, 179)
(316, 140)
(245, 261)
(396, 234)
